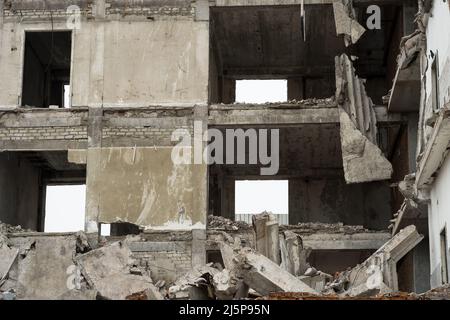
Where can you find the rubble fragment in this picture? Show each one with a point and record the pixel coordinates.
(379, 270)
(107, 269)
(260, 273)
(294, 260)
(218, 222)
(346, 23)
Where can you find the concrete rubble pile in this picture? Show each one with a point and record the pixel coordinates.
(69, 266)
(279, 264)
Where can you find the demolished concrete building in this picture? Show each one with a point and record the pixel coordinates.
(138, 73)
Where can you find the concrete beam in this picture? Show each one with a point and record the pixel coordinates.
(436, 148)
(358, 241)
(236, 3)
(285, 114)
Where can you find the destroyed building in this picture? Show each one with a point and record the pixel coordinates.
(94, 91)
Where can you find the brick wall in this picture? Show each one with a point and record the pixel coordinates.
(166, 260)
(152, 135)
(44, 133)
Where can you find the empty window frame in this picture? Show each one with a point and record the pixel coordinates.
(65, 208)
(261, 91)
(444, 260)
(256, 196)
(435, 83)
(46, 69)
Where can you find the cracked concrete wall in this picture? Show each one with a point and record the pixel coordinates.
(143, 186)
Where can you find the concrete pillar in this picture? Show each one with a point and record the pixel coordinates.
(228, 90)
(273, 241)
(198, 250)
(295, 89)
(267, 236)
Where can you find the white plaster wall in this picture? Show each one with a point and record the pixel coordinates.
(438, 40)
(439, 218)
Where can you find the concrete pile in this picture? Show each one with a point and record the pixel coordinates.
(217, 222)
(68, 266)
(280, 265)
(378, 274)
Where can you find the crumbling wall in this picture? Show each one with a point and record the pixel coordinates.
(166, 260)
(362, 158)
(144, 186)
(164, 62)
(43, 129)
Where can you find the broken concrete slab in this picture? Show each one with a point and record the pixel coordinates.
(119, 286)
(259, 272)
(363, 290)
(381, 267)
(79, 295)
(317, 281)
(7, 258)
(264, 276)
(363, 160)
(107, 269)
(295, 258)
(267, 235)
(199, 276)
(41, 268)
(105, 262)
(346, 22)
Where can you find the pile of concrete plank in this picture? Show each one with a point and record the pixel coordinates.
(279, 264)
(68, 266)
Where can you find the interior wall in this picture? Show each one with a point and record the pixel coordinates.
(332, 201)
(19, 191)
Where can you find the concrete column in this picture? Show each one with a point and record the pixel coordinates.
(228, 90)
(295, 89)
(267, 236)
(198, 251)
(273, 241)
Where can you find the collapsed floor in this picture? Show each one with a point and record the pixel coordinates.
(258, 261)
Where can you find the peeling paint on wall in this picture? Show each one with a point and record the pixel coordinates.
(143, 186)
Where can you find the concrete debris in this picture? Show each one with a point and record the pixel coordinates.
(217, 222)
(293, 255)
(378, 274)
(108, 270)
(317, 281)
(79, 295)
(440, 293)
(267, 236)
(362, 158)
(260, 273)
(346, 22)
(6, 228)
(8, 295)
(410, 47)
(308, 228)
(199, 277)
